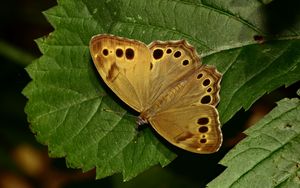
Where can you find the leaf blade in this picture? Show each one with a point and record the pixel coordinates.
(269, 154)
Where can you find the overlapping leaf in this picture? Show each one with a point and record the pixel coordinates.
(69, 108)
(270, 155)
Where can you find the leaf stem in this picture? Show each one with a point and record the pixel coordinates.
(15, 54)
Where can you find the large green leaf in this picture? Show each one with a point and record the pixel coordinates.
(70, 111)
(270, 155)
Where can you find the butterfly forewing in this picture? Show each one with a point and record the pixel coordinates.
(172, 62)
(178, 79)
(124, 65)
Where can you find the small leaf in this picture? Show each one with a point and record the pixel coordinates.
(270, 155)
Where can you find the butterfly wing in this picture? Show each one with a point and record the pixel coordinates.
(186, 115)
(194, 128)
(168, 65)
(124, 65)
(174, 62)
(187, 92)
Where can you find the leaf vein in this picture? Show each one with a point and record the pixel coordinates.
(69, 106)
(263, 159)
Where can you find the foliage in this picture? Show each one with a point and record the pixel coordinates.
(270, 155)
(69, 108)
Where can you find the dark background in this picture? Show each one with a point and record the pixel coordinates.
(25, 163)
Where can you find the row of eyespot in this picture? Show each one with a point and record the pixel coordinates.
(206, 99)
(204, 121)
(157, 54)
(203, 129)
(129, 53)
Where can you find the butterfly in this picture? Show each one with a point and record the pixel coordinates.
(167, 84)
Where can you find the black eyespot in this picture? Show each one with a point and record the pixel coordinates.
(169, 51)
(158, 53)
(119, 52)
(185, 62)
(203, 121)
(209, 90)
(206, 99)
(203, 129)
(177, 54)
(206, 82)
(129, 53)
(203, 141)
(105, 52)
(199, 76)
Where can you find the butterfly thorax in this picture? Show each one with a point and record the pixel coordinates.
(161, 101)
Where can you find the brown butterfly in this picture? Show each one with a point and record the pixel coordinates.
(167, 84)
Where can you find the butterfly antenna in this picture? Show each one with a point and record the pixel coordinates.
(139, 121)
(119, 113)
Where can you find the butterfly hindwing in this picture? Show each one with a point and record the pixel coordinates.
(195, 128)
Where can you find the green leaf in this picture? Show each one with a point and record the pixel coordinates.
(69, 108)
(270, 155)
(254, 70)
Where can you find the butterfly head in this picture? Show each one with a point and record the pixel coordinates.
(141, 121)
